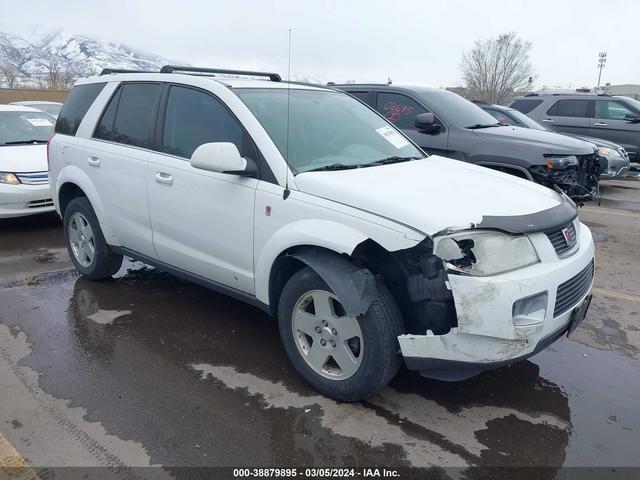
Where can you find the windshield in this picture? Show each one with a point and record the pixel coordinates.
(456, 110)
(524, 120)
(633, 103)
(25, 127)
(327, 129)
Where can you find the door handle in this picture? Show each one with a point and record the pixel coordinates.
(599, 124)
(548, 120)
(162, 177)
(93, 161)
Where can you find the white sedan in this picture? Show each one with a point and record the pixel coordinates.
(24, 175)
(52, 108)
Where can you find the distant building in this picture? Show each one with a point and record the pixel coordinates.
(626, 90)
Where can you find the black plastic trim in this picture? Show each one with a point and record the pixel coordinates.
(274, 77)
(562, 214)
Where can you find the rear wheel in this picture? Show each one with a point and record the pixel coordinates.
(343, 357)
(85, 242)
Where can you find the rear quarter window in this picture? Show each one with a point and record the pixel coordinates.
(75, 107)
(525, 106)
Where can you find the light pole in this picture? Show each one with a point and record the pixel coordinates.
(602, 59)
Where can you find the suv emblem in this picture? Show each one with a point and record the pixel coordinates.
(569, 235)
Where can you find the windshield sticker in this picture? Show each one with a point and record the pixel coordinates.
(393, 137)
(40, 122)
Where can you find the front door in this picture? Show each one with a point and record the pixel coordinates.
(609, 123)
(202, 221)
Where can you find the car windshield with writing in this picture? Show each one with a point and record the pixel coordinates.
(327, 130)
(23, 128)
(458, 111)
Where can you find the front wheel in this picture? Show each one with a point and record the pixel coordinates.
(85, 242)
(342, 357)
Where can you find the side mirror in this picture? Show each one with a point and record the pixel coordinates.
(426, 122)
(222, 157)
(633, 118)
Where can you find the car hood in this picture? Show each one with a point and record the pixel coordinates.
(434, 194)
(23, 158)
(600, 142)
(549, 141)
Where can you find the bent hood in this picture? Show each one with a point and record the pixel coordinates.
(23, 158)
(551, 142)
(437, 194)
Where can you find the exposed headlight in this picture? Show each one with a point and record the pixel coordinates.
(609, 153)
(485, 253)
(560, 162)
(9, 178)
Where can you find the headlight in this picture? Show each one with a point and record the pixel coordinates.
(560, 162)
(483, 253)
(609, 153)
(9, 178)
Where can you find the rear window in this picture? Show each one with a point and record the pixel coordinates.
(569, 108)
(75, 107)
(525, 106)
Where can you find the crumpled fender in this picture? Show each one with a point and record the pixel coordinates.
(354, 286)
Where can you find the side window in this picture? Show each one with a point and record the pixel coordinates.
(75, 106)
(362, 96)
(525, 106)
(611, 110)
(104, 130)
(135, 114)
(399, 109)
(569, 108)
(194, 117)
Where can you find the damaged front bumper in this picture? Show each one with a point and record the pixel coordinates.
(579, 181)
(489, 331)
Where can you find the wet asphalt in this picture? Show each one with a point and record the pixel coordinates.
(146, 369)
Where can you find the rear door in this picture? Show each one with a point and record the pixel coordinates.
(570, 115)
(116, 161)
(609, 123)
(202, 221)
(402, 110)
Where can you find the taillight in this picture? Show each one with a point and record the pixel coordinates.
(48, 155)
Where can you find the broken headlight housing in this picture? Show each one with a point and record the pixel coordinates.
(561, 162)
(484, 253)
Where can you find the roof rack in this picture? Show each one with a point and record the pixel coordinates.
(109, 71)
(274, 77)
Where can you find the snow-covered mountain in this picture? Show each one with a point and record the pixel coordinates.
(78, 54)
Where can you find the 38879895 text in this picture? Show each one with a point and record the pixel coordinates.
(315, 473)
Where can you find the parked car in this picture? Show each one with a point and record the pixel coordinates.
(615, 156)
(302, 201)
(613, 118)
(52, 108)
(444, 123)
(24, 180)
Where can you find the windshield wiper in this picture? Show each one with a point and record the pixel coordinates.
(24, 142)
(335, 166)
(394, 159)
(483, 125)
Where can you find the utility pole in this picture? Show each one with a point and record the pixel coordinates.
(602, 59)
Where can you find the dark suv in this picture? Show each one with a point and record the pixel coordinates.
(443, 123)
(616, 119)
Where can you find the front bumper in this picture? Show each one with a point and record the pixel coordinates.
(486, 336)
(22, 200)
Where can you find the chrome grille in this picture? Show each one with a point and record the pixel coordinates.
(570, 292)
(563, 239)
(33, 178)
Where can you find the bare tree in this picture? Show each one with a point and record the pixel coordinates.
(57, 77)
(10, 75)
(496, 67)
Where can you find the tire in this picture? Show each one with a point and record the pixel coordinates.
(82, 241)
(376, 351)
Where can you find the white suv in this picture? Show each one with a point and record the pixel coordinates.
(305, 202)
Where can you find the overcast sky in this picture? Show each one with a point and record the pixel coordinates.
(418, 42)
